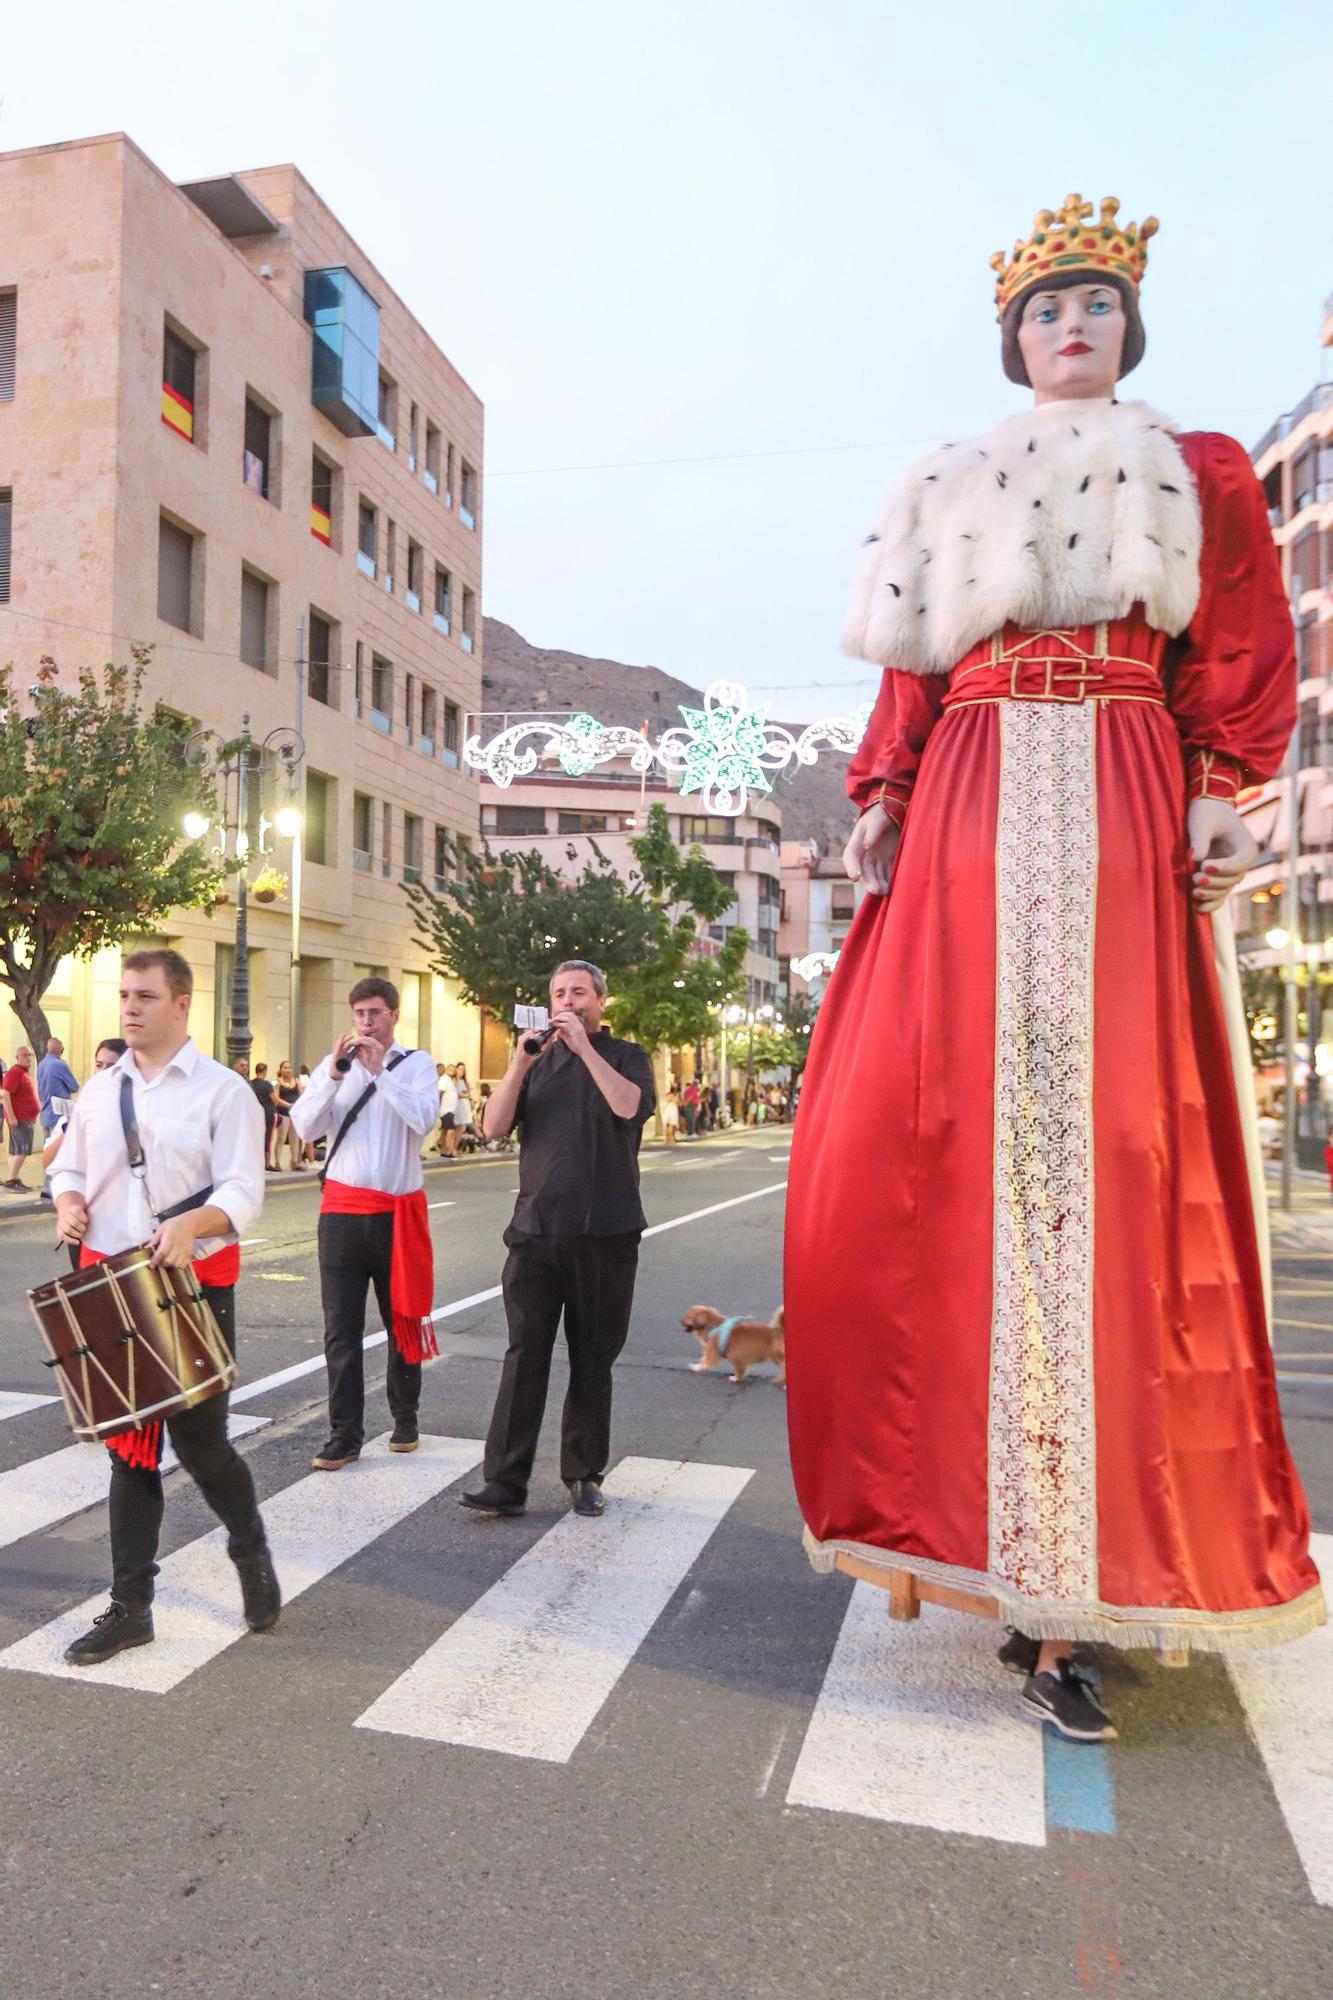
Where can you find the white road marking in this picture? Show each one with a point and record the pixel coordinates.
(1287, 1695)
(314, 1362)
(914, 1725)
(526, 1670)
(247, 1242)
(313, 1528)
(15, 1403)
(37, 1495)
(442, 1204)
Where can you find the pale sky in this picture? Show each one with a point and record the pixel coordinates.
(747, 239)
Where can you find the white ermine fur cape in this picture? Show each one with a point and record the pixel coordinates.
(1065, 515)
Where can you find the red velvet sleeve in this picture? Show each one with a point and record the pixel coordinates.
(1233, 685)
(883, 770)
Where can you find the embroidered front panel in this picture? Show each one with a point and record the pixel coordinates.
(1042, 1443)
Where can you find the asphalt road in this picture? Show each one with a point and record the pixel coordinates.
(453, 1772)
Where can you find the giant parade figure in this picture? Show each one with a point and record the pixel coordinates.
(1027, 1335)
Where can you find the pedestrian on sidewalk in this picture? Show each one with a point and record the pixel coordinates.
(105, 1056)
(262, 1085)
(376, 1101)
(573, 1241)
(448, 1090)
(285, 1094)
(21, 1105)
(689, 1105)
(671, 1113)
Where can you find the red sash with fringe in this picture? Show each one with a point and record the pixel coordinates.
(412, 1271)
(143, 1448)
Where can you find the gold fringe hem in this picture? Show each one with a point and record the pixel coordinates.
(1160, 1628)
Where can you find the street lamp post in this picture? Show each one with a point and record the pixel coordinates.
(238, 761)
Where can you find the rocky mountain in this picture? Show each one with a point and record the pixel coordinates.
(518, 675)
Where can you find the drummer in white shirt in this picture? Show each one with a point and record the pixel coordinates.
(201, 1184)
(376, 1100)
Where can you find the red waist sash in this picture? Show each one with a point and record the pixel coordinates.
(412, 1269)
(1052, 666)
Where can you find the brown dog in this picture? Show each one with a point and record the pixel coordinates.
(742, 1342)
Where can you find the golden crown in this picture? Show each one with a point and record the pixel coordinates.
(1071, 241)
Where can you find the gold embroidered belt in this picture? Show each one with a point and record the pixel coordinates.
(1068, 675)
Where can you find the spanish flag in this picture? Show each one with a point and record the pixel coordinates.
(321, 527)
(178, 411)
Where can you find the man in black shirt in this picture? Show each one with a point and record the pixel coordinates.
(574, 1239)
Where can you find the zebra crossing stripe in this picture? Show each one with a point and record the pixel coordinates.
(527, 1668)
(15, 1403)
(913, 1724)
(313, 1528)
(49, 1489)
(1287, 1695)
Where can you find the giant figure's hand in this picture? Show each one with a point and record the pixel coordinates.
(870, 853)
(1224, 849)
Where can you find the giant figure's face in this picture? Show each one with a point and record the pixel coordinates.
(1072, 340)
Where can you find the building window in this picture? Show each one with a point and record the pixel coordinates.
(430, 711)
(442, 600)
(520, 819)
(386, 837)
(323, 656)
(843, 903)
(432, 473)
(7, 543)
(254, 620)
(367, 536)
(381, 694)
(175, 575)
(358, 677)
(581, 822)
(387, 411)
(321, 499)
(442, 857)
(412, 422)
(179, 369)
(467, 638)
(9, 310)
(467, 498)
(363, 821)
(256, 460)
(409, 705)
(1305, 561)
(450, 476)
(416, 575)
(390, 553)
(346, 349)
(1304, 476)
(451, 734)
(412, 839)
(462, 855)
(318, 821)
(696, 827)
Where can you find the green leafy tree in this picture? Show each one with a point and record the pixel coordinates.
(506, 920)
(671, 998)
(802, 1013)
(773, 1048)
(92, 793)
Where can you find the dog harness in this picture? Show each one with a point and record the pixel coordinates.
(723, 1333)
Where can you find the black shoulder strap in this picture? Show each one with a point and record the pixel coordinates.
(355, 1113)
(129, 1125)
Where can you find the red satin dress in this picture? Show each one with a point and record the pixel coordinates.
(1027, 1344)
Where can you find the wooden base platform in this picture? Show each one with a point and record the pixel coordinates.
(907, 1592)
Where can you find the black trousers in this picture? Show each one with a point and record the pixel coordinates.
(355, 1252)
(591, 1280)
(216, 1467)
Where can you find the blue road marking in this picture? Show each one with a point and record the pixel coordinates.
(1080, 1790)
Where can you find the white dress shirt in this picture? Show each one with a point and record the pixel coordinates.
(200, 1125)
(383, 1148)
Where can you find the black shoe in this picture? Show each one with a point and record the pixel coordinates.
(260, 1594)
(406, 1436)
(1019, 1654)
(113, 1631)
(492, 1499)
(1066, 1700)
(587, 1496)
(331, 1457)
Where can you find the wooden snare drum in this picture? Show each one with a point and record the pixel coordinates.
(130, 1344)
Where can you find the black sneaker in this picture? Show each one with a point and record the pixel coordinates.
(113, 1631)
(587, 1496)
(405, 1434)
(334, 1455)
(1066, 1700)
(492, 1499)
(1019, 1654)
(260, 1594)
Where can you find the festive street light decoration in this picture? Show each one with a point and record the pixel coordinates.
(815, 965)
(724, 751)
